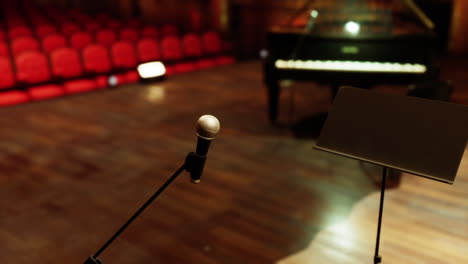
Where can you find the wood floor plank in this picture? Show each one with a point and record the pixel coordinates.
(73, 169)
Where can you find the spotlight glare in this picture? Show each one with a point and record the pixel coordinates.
(352, 27)
(151, 69)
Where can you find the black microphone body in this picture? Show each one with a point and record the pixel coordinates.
(203, 145)
(207, 129)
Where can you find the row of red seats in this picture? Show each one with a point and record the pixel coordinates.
(69, 28)
(191, 44)
(68, 71)
(76, 40)
(57, 16)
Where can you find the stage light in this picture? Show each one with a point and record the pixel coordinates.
(151, 70)
(352, 27)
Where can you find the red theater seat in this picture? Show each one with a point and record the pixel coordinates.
(45, 91)
(149, 32)
(92, 26)
(134, 23)
(74, 13)
(39, 20)
(44, 30)
(32, 68)
(4, 51)
(192, 48)
(82, 19)
(171, 51)
(69, 28)
(212, 45)
(96, 61)
(169, 30)
(148, 50)
(124, 58)
(66, 64)
(13, 97)
(79, 40)
(2, 35)
(7, 73)
(106, 37)
(23, 44)
(113, 24)
(52, 42)
(19, 31)
(17, 22)
(129, 34)
(103, 17)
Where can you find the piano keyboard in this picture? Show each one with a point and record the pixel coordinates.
(351, 66)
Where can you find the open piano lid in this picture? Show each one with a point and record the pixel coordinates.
(357, 19)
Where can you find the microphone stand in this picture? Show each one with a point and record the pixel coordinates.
(193, 163)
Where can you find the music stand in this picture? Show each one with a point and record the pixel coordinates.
(418, 136)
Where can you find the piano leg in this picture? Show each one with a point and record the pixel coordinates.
(334, 90)
(273, 95)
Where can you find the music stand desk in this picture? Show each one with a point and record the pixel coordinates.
(419, 136)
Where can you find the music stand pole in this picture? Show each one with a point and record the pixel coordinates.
(377, 257)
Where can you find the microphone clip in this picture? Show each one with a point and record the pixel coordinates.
(194, 164)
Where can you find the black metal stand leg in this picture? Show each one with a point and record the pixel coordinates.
(377, 257)
(273, 95)
(94, 259)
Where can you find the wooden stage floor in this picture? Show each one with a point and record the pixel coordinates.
(74, 169)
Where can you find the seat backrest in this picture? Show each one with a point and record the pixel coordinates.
(8, 76)
(171, 48)
(19, 31)
(211, 42)
(105, 37)
(192, 45)
(66, 63)
(123, 55)
(4, 52)
(32, 67)
(44, 30)
(69, 28)
(129, 34)
(79, 40)
(96, 59)
(24, 44)
(149, 32)
(148, 50)
(52, 42)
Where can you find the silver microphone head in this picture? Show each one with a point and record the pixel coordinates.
(208, 127)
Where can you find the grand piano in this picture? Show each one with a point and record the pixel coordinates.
(351, 45)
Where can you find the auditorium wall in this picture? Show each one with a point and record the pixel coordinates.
(247, 20)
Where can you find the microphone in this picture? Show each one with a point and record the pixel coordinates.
(207, 129)
(313, 16)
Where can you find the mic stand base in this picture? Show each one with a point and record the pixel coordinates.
(193, 164)
(92, 260)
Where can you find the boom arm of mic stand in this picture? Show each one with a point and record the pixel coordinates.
(193, 162)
